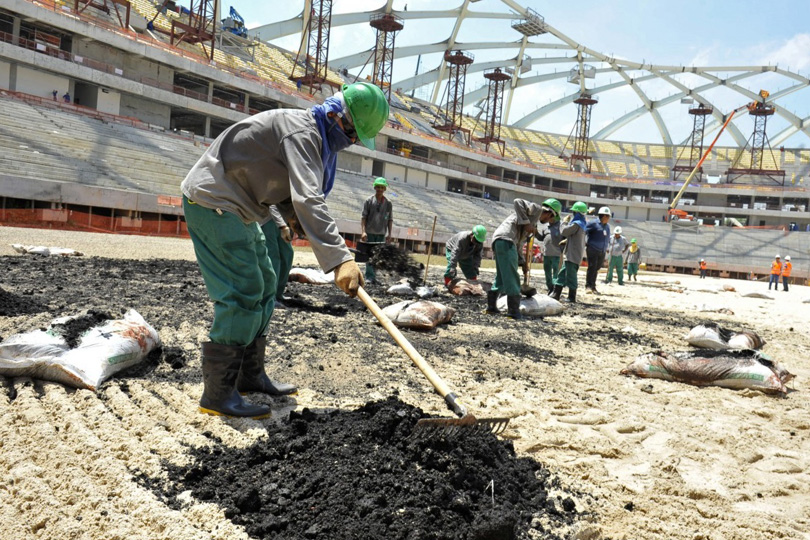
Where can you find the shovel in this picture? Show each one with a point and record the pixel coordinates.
(465, 419)
(526, 289)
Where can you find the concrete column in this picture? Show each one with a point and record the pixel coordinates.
(210, 91)
(247, 104)
(207, 127)
(12, 77)
(15, 31)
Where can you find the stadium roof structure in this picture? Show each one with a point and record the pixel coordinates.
(539, 55)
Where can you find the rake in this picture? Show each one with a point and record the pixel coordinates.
(465, 420)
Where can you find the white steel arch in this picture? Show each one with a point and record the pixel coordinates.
(515, 46)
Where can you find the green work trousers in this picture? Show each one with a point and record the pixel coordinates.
(551, 267)
(507, 281)
(632, 269)
(237, 273)
(371, 275)
(568, 276)
(466, 266)
(280, 253)
(617, 262)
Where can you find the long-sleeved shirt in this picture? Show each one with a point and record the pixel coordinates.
(378, 215)
(617, 246)
(634, 257)
(551, 240)
(270, 158)
(512, 227)
(597, 235)
(574, 231)
(462, 248)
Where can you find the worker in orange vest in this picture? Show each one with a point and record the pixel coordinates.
(776, 271)
(787, 267)
(703, 267)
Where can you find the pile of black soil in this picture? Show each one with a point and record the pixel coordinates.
(12, 305)
(74, 328)
(363, 474)
(389, 258)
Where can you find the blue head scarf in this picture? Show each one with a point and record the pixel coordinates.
(333, 137)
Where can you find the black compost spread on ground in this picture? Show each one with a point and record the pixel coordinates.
(365, 474)
(389, 258)
(349, 473)
(72, 329)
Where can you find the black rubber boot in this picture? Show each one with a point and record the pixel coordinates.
(492, 302)
(252, 377)
(513, 307)
(220, 367)
(572, 296)
(556, 293)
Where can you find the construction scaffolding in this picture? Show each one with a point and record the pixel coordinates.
(758, 144)
(201, 26)
(699, 114)
(494, 109)
(387, 25)
(454, 96)
(314, 64)
(79, 6)
(579, 139)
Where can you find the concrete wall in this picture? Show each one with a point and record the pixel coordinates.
(437, 182)
(416, 177)
(350, 162)
(394, 172)
(145, 110)
(5, 67)
(637, 213)
(40, 83)
(109, 101)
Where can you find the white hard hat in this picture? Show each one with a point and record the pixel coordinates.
(604, 211)
(777, 256)
(701, 260)
(787, 257)
(618, 230)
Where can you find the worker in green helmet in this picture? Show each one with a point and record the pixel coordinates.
(573, 232)
(507, 243)
(281, 157)
(464, 249)
(377, 221)
(550, 237)
(633, 260)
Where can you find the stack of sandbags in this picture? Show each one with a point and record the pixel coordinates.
(713, 336)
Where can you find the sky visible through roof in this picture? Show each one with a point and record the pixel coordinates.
(687, 33)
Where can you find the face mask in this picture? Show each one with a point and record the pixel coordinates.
(336, 137)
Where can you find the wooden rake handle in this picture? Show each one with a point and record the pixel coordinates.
(438, 383)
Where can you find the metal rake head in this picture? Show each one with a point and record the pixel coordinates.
(447, 427)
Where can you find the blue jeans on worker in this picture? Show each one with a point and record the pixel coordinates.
(774, 281)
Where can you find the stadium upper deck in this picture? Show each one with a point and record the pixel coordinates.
(46, 46)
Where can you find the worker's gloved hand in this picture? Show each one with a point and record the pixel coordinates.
(286, 234)
(363, 237)
(452, 273)
(567, 218)
(563, 242)
(348, 277)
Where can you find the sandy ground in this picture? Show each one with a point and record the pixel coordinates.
(649, 459)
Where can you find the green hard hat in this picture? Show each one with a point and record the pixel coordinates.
(579, 206)
(633, 241)
(368, 108)
(380, 181)
(480, 233)
(555, 206)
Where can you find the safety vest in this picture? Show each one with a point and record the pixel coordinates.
(776, 268)
(703, 265)
(786, 268)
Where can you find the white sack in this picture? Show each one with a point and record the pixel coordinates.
(311, 275)
(539, 305)
(419, 314)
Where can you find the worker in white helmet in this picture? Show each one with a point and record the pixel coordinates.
(597, 236)
(617, 247)
(787, 268)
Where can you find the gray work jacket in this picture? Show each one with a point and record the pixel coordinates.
(378, 215)
(462, 248)
(271, 158)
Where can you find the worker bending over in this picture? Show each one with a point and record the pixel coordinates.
(464, 249)
(286, 158)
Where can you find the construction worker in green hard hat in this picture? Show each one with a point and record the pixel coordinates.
(550, 237)
(633, 260)
(507, 243)
(573, 232)
(281, 157)
(377, 221)
(464, 249)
